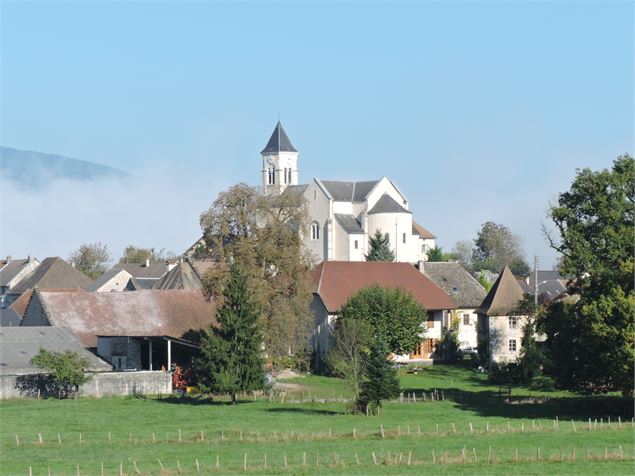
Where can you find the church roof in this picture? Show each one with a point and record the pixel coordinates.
(279, 142)
(504, 296)
(387, 204)
(349, 191)
(421, 231)
(349, 224)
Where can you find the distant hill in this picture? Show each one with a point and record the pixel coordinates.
(32, 169)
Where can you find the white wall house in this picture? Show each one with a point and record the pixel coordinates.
(466, 292)
(344, 214)
(334, 282)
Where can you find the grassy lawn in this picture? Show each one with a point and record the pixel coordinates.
(142, 436)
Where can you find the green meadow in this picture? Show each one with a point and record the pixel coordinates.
(462, 426)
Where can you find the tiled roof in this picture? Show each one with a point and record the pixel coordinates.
(20, 304)
(421, 231)
(139, 313)
(18, 345)
(154, 270)
(53, 273)
(349, 224)
(278, 142)
(12, 269)
(387, 204)
(455, 280)
(504, 296)
(185, 275)
(336, 281)
(349, 191)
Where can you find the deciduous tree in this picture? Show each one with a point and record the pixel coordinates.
(91, 259)
(68, 370)
(495, 247)
(349, 355)
(263, 235)
(591, 340)
(393, 314)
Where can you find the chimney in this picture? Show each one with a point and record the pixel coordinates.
(147, 263)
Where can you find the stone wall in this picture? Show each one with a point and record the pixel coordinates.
(103, 384)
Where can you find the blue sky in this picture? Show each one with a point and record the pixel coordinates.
(478, 111)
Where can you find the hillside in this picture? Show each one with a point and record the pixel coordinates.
(33, 169)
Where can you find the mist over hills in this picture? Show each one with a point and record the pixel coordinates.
(35, 169)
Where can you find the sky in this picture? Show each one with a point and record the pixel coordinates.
(477, 111)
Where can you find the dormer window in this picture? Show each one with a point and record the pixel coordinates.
(315, 231)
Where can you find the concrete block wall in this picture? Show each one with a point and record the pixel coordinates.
(106, 384)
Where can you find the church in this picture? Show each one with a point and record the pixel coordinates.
(344, 214)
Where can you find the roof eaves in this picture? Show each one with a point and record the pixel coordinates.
(323, 188)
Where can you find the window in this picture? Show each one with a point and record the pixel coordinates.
(512, 345)
(356, 244)
(289, 175)
(466, 319)
(285, 175)
(315, 231)
(404, 238)
(430, 322)
(270, 175)
(513, 322)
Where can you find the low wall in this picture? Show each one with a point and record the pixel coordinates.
(100, 385)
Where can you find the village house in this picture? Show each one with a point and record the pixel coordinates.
(142, 330)
(466, 292)
(52, 274)
(334, 282)
(114, 280)
(148, 273)
(187, 274)
(11, 273)
(500, 326)
(344, 214)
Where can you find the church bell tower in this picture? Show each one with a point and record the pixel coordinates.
(279, 163)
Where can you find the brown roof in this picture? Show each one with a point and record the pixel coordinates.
(20, 304)
(336, 281)
(504, 296)
(185, 275)
(421, 231)
(53, 273)
(138, 313)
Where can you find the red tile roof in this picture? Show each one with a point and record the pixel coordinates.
(137, 313)
(336, 281)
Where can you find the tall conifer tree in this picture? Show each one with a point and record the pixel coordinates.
(381, 379)
(379, 248)
(231, 353)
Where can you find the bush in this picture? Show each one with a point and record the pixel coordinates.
(67, 371)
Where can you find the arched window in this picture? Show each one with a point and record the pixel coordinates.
(270, 172)
(315, 231)
(285, 175)
(289, 174)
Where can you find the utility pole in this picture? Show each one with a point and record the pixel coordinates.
(536, 281)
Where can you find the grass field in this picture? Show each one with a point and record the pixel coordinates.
(472, 431)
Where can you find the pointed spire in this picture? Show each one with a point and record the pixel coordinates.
(504, 296)
(279, 142)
